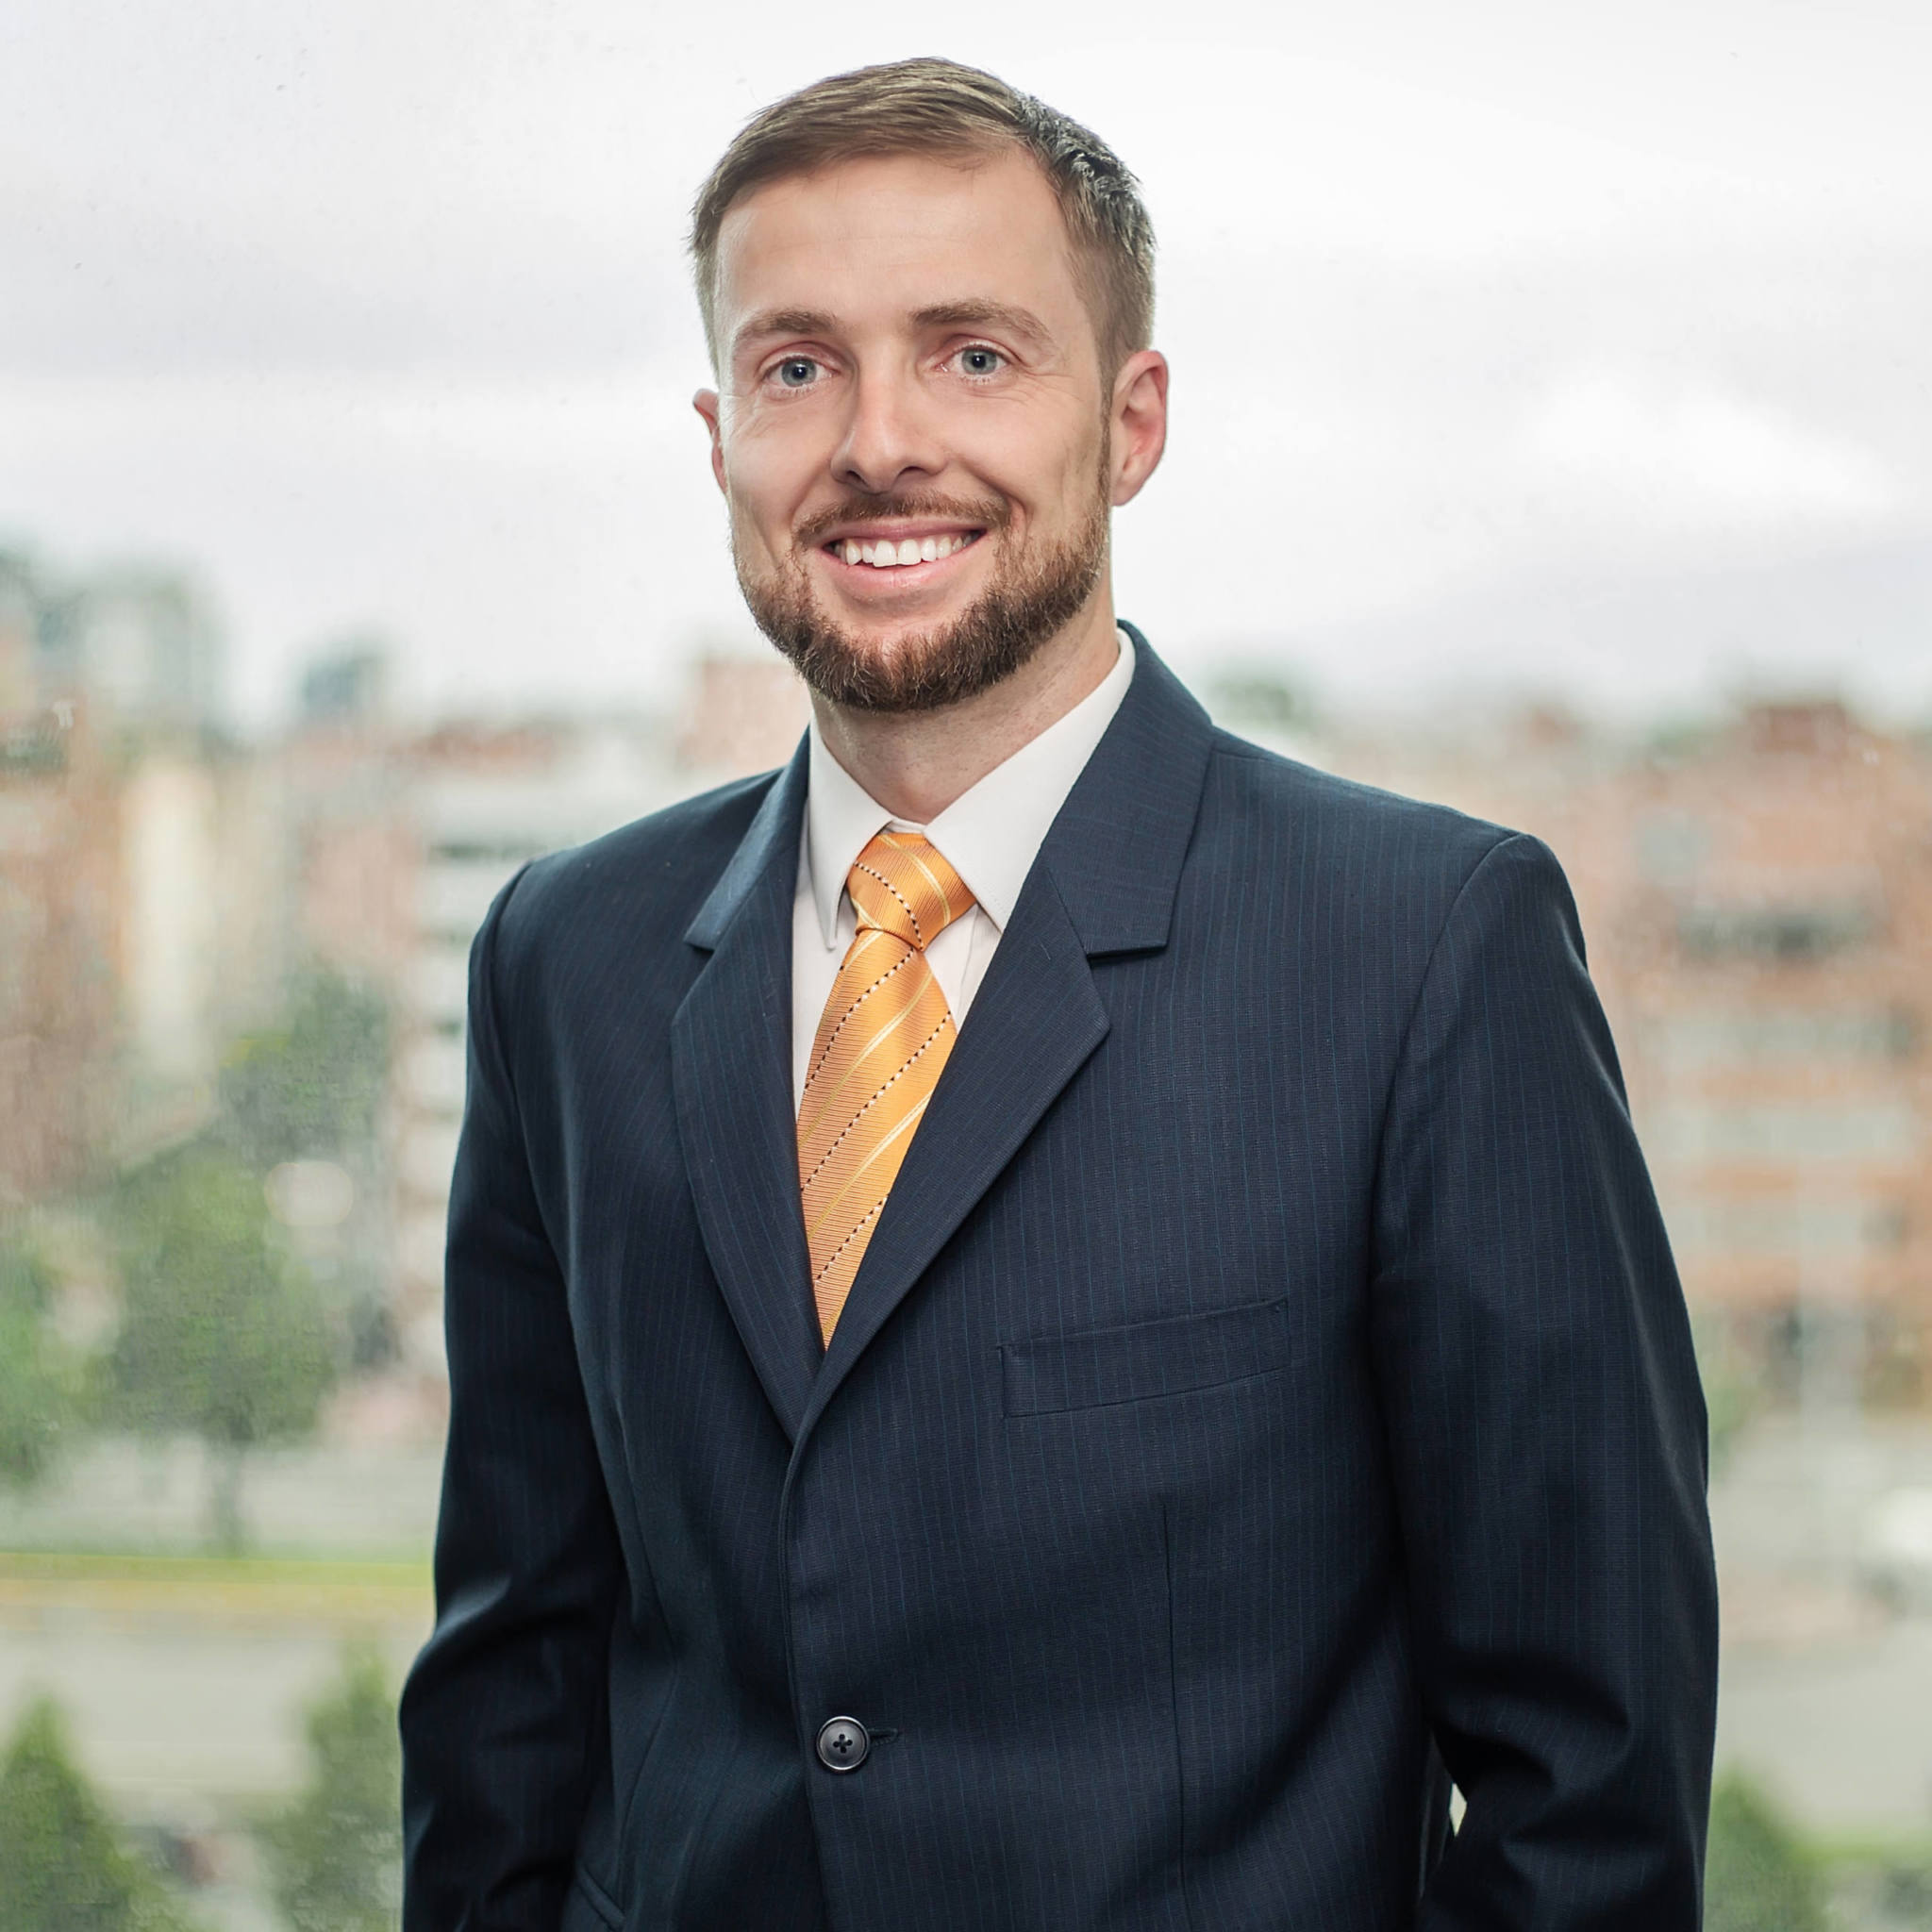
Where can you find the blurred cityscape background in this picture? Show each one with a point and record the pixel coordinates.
(232, 979)
(1552, 437)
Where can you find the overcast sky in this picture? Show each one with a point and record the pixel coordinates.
(1582, 348)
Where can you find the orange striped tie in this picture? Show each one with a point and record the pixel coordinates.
(880, 1045)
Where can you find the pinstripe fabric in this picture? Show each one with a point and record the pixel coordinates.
(881, 1046)
(1269, 1359)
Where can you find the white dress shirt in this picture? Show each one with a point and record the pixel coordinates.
(989, 835)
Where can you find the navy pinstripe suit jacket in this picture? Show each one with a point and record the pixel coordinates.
(1269, 1369)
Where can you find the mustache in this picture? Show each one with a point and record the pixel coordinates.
(987, 514)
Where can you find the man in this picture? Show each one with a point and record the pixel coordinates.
(1048, 1314)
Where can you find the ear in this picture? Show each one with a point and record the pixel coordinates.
(706, 404)
(1139, 421)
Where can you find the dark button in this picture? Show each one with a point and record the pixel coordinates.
(842, 1743)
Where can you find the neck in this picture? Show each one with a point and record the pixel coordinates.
(916, 763)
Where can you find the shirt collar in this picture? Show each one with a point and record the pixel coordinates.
(990, 834)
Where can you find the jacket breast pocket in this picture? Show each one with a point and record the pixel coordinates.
(1170, 1356)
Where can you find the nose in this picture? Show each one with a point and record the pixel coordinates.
(888, 444)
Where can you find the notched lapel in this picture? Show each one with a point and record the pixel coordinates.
(731, 1058)
(1032, 1027)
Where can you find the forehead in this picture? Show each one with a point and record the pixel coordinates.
(895, 234)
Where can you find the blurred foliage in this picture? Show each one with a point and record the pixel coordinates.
(314, 1085)
(1730, 1392)
(1261, 699)
(223, 1334)
(336, 1853)
(62, 1866)
(1904, 1891)
(226, 1332)
(1677, 741)
(1758, 1876)
(42, 1377)
(312, 1088)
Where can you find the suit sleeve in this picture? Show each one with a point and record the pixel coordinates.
(504, 1707)
(1547, 1434)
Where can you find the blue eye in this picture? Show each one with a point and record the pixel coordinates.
(795, 372)
(980, 361)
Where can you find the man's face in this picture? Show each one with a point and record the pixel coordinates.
(914, 431)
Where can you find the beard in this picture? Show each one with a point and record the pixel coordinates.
(1030, 599)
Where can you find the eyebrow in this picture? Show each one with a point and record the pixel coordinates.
(999, 315)
(786, 322)
(819, 321)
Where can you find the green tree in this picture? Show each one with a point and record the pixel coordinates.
(40, 1376)
(1756, 1875)
(336, 1853)
(62, 1867)
(222, 1333)
(1730, 1395)
(312, 1086)
(1261, 697)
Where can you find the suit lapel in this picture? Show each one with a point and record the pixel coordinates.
(1033, 1023)
(1104, 882)
(731, 1066)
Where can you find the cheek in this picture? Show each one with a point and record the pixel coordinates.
(1041, 461)
(746, 533)
(1014, 467)
(760, 490)
(764, 444)
(756, 536)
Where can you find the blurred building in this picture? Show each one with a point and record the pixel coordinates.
(59, 923)
(350, 845)
(1769, 940)
(482, 804)
(743, 714)
(400, 839)
(141, 642)
(143, 864)
(203, 954)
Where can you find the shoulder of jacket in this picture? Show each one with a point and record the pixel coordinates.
(1343, 815)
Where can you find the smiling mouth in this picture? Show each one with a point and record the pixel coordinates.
(888, 553)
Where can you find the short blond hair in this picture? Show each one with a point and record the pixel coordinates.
(931, 107)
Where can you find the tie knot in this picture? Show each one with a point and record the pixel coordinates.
(899, 884)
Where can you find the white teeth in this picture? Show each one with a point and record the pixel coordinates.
(887, 555)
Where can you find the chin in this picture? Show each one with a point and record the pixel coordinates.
(867, 639)
(854, 654)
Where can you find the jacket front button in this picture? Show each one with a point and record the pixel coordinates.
(844, 1743)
